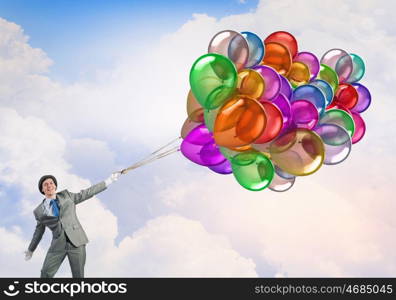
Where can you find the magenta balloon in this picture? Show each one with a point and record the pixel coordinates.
(340, 61)
(211, 155)
(286, 88)
(192, 152)
(304, 114)
(311, 61)
(272, 81)
(360, 127)
(364, 98)
(200, 135)
(193, 143)
(284, 106)
(222, 168)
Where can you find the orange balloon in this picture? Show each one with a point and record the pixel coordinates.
(242, 149)
(195, 110)
(284, 38)
(250, 83)
(239, 122)
(278, 57)
(274, 123)
(299, 74)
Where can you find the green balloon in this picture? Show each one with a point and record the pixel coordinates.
(338, 117)
(213, 79)
(358, 68)
(329, 75)
(253, 170)
(210, 118)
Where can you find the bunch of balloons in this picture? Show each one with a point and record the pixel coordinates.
(264, 111)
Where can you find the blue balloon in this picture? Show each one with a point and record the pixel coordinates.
(312, 94)
(326, 89)
(256, 48)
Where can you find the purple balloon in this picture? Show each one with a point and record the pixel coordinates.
(272, 82)
(286, 88)
(305, 114)
(222, 168)
(211, 155)
(192, 152)
(200, 135)
(311, 61)
(336, 141)
(284, 106)
(200, 147)
(364, 99)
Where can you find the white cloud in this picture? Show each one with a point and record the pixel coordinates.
(12, 255)
(173, 246)
(322, 232)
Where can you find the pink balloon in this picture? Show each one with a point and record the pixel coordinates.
(232, 45)
(304, 114)
(272, 81)
(360, 127)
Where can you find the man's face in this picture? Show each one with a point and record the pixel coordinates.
(49, 187)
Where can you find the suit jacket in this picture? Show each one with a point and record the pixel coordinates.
(67, 219)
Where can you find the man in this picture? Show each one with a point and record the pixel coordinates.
(58, 212)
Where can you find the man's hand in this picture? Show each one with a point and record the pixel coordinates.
(28, 254)
(113, 177)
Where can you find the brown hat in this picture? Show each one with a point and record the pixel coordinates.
(42, 179)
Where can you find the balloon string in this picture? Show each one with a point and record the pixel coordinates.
(154, 156)
(147, 161)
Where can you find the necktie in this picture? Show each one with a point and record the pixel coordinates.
(55, 208)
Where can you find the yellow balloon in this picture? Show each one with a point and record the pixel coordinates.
(250, 83)
(299, 74)
(299, 152)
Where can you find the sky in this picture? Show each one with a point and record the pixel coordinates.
(90, 87)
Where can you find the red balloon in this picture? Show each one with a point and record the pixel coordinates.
(284, 38)
(274, 123)
(338, 106)
(346, 95)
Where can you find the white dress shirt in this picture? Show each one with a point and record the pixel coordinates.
(48, 207)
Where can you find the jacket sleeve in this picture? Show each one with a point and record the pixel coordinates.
(37, 235)
(88, 193)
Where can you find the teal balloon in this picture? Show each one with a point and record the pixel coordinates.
(358, 69)
(253, 170)
(213, 79)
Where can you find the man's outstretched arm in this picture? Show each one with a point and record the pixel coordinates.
(95, 189)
